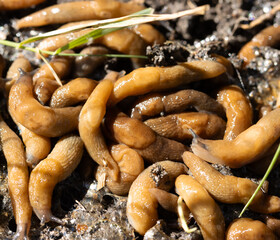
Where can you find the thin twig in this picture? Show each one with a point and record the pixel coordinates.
(262, 18)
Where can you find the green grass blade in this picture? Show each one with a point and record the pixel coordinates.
(269, 169)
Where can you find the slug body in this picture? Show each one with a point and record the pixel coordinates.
(176, 126)
(229, 189)
(17, 4)
(205, 211)
(155, 103)
(149, 79)
(85, 65)
(18, 178)
(141, 204)
(150, 35)
(269, 36)
(141, 138)
(59, 164)
(130, 163)
(249, 229)
(45, 121)
(90, 119)
(37, 147)
(73, 92)
(13, 73)
(247, 147)
(78, 11)
(238, 110)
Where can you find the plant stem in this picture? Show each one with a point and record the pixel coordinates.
(269, 169)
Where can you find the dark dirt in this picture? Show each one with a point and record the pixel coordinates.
(100, 215)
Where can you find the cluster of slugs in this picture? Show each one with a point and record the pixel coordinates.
(146, 130)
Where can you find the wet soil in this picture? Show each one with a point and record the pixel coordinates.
(92, 214)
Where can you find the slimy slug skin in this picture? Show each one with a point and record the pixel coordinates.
(156, 103)
(58, 165)
(204, 209)
(44, 121)
(246, 148)
(134, 133)
(150, 79)
(90, 119)
(77, 11)
(249, 229)
(176, 126)
(238, 110)
(13, 73)
(269, 36)
(6, 5)
(130, 163)
(18, 178)
(142, 206)
(73, 92)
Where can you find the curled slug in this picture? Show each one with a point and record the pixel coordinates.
(142, 206)
(78, 11)
(13, 73)
(141, 138)
(155, 103)
(269, 36)
(45, 121)
(145, 80)
(247, 147)
(249, 229)
(58, 165)
(176, 126)
(229, 189)
(90, 119)
(130, 164)
(85, 65)
(6, 5)
(37, 147)
(205, 211)
(238, 110)
(18, 178)
(73, 92)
